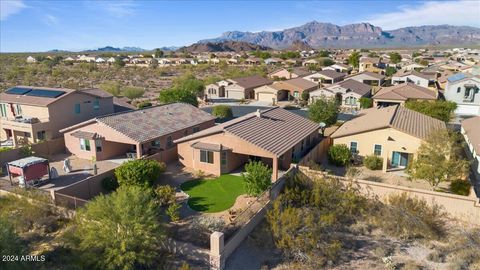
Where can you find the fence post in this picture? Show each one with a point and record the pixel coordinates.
(217, 244)
(52, 194)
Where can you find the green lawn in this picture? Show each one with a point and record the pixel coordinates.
(214, 195)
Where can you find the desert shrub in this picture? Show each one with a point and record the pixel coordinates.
(257, 177)
(5, 149)
(165, 195)
(109, 184)
(139, 172)
(460, 187)
(133, 92)
(339, 154)
(373, 162)
(411, 265)
(173, 211)
(144, 104)
(10, 242)
(210, 224)
(408, 218)
(305, 95)
(366, 103)
(461, 251)
(222, 111)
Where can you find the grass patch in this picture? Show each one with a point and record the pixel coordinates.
(214, 195)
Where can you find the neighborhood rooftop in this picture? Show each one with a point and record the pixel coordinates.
(355, 86)
(397, 117)
(275, 130)
(405, 91)
(251, 81)
(472, 129)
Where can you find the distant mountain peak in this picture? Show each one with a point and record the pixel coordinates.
(357, 35)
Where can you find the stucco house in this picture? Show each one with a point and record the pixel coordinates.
(423, 79)
(339, 67)
(32, 114)
(464, 89)
(295, 87)
(326, 77)
(136, 133)
(348, 92)
(243, 88)
(371, 64)
(286, 74)
(401, 93)
(274, 136)
(216, 90)
(369, 78)
(471, 132)
(394, 133)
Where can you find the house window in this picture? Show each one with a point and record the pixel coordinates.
(169, 142)
(84, 145)
(27, 134)
(98, 145)
(3, 110)
(459, 89)
(41, 135)
(206, 156)
(354, 147)
(96, 104)
(224, 158)
(377, 150)
(155, 143)
(18, 109)
(77, 108)
(196, 129)
(351, 101)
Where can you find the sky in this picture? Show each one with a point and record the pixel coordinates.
(30, 26)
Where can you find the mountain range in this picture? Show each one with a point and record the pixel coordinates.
(225, 46)
(360, 35)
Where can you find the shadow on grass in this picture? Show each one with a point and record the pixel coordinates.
(199, 204)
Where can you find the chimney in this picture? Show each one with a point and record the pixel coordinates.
(258, 113)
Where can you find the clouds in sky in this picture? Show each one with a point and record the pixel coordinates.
(10, 7)
(465, 12)
(118, 9)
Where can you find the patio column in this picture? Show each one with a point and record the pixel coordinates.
(385, 161)
(139, 150)
(274, 169)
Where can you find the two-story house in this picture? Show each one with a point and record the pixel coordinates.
(464, 89)
(31, 114)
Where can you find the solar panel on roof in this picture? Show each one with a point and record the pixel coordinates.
(457, 77)
(18, 91)
(45, 93)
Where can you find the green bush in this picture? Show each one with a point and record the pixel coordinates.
(222, 111)
(173, 212)
(257, 178)
(165, 195)
(409, 217)
(5, 149)
(139, 172)
(460, 187)
(373, 162)
(366, 103)
(305, 95)
(109, 184)
(339, 154)
(133, 92)
(144, 104)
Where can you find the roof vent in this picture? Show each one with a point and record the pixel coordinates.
(258, 113)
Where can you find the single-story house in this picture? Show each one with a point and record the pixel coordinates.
(274, 136)
(369, 78)
(273, 61)
(339, 67)
(399, 94)
(286, 74)
(253, 61)
(394, 133)
(136, 133)
(348, 92)
(242, 88)
(326, 77)
(422, 79)
(471, 132)
(295, 87)
(270, 93)
(216, 90)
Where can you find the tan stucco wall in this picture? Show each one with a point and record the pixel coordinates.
(400, 142)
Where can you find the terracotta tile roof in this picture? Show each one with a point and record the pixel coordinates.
(300, 71)
(276, 130)
(331, 74)
(251, 81)
(397, 117)
(299, 82)
(405, 91)
(472, 129)
(152, 122)
(209, 146)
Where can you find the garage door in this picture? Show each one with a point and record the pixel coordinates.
(235, 94)
(467, 110)
(267, 97)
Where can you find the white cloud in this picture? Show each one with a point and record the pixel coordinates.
(50, 20)
(119, 8)
(10, 7)
(463, 12)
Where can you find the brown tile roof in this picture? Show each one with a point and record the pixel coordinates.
(405, 91)
(356, 86)
(209, 146)
(397, 117)
(331, 74)
(371, 74)
(424, 75)
(251, 81)
(86, 135)
(299, 82)
(472, 129)
(300, 71)
(276, 131)
(152, 122)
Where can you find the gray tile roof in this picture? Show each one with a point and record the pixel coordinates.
(356, 86)
(331, 74)
(252, 81)
(152, 122)
(397, 117)
(276, 130)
